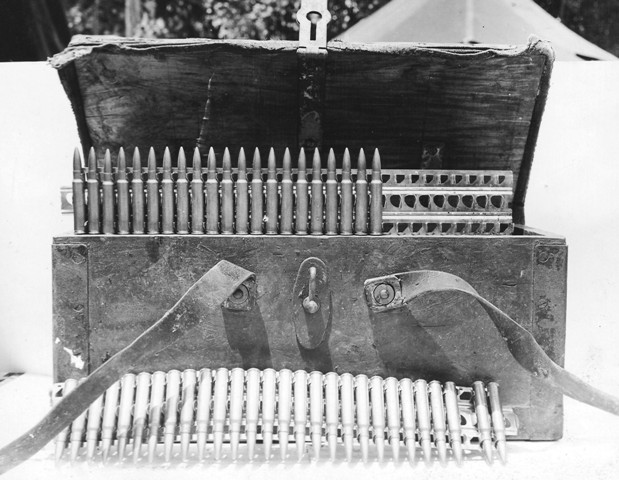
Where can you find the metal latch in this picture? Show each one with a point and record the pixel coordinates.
(313, 17)
(312, 303)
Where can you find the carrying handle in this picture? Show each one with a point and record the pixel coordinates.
(404, 287)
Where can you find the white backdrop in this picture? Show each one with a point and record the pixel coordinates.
(573, 190)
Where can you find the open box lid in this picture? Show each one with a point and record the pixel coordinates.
(484, 103)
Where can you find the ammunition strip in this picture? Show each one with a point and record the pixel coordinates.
(454, 225)
(445, 202)
(285, 201)
(248, 406)
(500, 180)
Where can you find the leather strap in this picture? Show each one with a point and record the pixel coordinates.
(520, 342)
(193, 311)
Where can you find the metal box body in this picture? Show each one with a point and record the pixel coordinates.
(107, 290)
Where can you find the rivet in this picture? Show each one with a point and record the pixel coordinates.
(383, 294)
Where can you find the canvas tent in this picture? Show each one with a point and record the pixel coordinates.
(472, 21)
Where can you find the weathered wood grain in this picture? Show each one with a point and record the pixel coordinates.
(484, 103)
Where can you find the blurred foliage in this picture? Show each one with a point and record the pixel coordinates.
(595, 20)
(260, 20)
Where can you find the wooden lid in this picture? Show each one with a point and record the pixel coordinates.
(484, 103)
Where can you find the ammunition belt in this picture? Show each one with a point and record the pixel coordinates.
(217, 406)
(285, 201)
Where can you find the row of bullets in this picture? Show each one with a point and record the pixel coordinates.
(281, 406)
(182, 202)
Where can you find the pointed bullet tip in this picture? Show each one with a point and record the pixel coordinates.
(456, 448)
(395, 449)
(316, 157)
(331, 162)
(376, 163)
(136, 157)
(77, 161)
(361, 164)
(257, 161)
(283, 445)
(182, 161)
(59, 451)
(300, 445)
(487, 450)
(502, 449)
(412, 453)
(201, 448)
(349, 449)
(227, 162)
(317, 452)
(427, 451)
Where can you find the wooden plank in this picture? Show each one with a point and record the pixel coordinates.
(484, 103)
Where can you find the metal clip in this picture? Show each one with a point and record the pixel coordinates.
(312, 310)
(313, 17)
(309, 303)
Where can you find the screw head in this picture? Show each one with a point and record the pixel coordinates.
(383, 294)
(240, 295)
